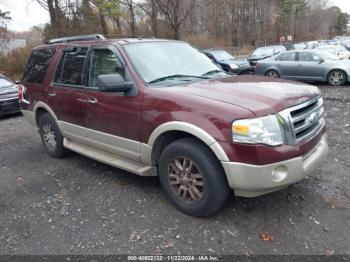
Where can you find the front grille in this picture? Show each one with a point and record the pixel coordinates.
(304, 121)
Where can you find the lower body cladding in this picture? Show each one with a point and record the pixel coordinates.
(9, 107)
(254, 180)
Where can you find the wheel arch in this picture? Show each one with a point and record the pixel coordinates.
(172, 131)
(272, 69)
(40, 108)
(337, 69)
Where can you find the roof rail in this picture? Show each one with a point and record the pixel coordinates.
(76, 38)
(128, 36)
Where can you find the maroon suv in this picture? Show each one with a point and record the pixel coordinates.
(162, 108)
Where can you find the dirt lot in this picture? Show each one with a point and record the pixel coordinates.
(78, 206)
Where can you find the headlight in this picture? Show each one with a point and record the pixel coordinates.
(233, 66)
(263, 130)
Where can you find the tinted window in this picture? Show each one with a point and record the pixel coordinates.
(37, 66)
(71, 67)
(286, 57)
(308, 57)
(103, 62)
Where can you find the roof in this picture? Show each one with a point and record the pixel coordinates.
(122, 40)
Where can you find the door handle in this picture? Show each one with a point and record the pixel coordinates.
(52, 94)
(92, 101)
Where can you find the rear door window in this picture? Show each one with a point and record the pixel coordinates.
(37, 65)
(70, 70)
(308, 57)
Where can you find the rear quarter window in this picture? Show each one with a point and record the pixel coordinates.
(37, 65)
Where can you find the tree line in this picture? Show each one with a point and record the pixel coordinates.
(220, 22)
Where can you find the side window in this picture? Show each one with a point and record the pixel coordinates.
(308, 57)
(103, 62)
(37, 65)
(286, 57)
(70, 70)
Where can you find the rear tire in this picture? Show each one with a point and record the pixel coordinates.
(51, 136)
(336, 78)
(272, 74)
(192, 178)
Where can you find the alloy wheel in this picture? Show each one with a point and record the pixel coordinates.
(49, 136)
(336, 78)
(186, 180)
(273, 74)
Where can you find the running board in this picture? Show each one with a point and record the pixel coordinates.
(110, 159)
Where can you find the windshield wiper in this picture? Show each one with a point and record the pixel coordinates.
(161, 79)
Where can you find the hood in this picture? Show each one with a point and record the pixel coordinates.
(255, 58)
(8, 90)
(260, 95)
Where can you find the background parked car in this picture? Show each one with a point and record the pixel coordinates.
(265, 52)
(300, 46)
(228, 62)
(306, 65)
(8, 96)
(338, 50)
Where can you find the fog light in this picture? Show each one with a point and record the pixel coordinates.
(279, 174)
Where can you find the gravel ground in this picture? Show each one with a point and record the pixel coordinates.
(78, 206)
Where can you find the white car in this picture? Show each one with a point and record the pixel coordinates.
(338, 50)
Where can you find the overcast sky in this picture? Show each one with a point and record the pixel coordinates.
(28, 13)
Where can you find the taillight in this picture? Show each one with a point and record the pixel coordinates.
(20, 92)
(22, 96)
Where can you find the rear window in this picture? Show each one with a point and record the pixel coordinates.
(70, 70)
(37, 65)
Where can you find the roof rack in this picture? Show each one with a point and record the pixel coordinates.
(128, 36)
(76, 38)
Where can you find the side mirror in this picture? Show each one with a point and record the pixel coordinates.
(17, 82)
(320, 61)
(113, 83)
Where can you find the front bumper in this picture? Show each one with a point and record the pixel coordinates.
(9, 106)
(244, 70)
(254, 180)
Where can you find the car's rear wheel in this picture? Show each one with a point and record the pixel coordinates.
(192, 178)
(51, 136)
(273, 74)
(336, 78)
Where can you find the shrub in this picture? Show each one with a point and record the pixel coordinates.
(13, 64)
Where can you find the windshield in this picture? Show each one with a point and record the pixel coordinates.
(5, 83)
(156, 60)
(221, 55)
(263, 51)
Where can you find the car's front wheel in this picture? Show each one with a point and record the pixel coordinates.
(273, 74)
(51, 136)
(336, 78)
(192, 178)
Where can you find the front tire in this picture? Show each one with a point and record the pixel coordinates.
(336, 78)
(272, 74)
(51, 136)
(192, 178)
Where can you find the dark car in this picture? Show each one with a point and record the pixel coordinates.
(158, 107)
(228, 62)
(265, 52)
(8, 96)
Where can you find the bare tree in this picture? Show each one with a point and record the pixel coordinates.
(175, 13)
